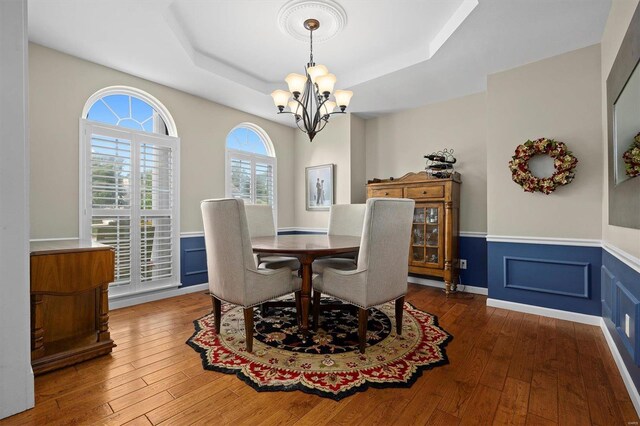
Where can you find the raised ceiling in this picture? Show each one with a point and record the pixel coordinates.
(393, 54)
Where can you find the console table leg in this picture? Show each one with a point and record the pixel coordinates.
(37, 330)
(103, 303)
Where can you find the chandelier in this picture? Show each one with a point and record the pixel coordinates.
(311, 105)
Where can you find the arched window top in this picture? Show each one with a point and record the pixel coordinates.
(250, 138)
(131, 108)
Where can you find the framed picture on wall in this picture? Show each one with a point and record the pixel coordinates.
(319, 187)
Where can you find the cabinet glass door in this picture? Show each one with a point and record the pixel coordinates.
(426, 236)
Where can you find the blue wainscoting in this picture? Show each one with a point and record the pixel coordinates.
(620, 298)
(551, 276)
(474, 250)
(193, 261)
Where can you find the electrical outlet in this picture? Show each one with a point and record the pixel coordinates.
(463, 263)
(627, 325)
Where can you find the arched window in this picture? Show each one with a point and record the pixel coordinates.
(129, 198)
(251, 165)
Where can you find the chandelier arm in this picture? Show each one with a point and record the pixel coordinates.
(322, 126)
(307, 103)
(301, 128)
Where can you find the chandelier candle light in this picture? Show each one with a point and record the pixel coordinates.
(311, 105)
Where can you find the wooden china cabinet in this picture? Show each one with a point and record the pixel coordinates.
(434, 235)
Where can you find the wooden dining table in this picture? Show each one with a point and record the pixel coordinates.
(306, 248)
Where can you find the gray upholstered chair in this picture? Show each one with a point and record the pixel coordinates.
(233, 275)
(261, 224)
(381, 272)
(344, 219)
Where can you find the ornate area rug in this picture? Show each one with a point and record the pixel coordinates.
(328, 363)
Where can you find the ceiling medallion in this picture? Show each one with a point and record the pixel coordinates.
(311, 106)
(293, 14)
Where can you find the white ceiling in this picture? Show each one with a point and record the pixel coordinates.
(393, 54)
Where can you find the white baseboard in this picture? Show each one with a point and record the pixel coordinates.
(626, 377)
(545, 312)
(155, 295)
(440, 284)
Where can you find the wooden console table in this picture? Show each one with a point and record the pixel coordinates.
(69, 302)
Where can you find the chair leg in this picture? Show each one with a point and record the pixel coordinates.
(298, 307)
(217, 312)
(263, 309)
(363, 317)
(399, 311)
(316, 309)
(248, 327)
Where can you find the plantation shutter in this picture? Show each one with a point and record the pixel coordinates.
(251, 177)
(264, 184)
(241, 179)
(110, 178)
(156, 221)
(132, 205)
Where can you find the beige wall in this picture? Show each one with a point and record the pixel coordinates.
(396, 144)
(620, 15)
(557, 98)
(358, 161)
(59, 87)
(330, 146)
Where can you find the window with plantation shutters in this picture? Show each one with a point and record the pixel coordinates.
(130, 199)
(251, 165)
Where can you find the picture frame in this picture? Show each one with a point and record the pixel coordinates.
(319, 187)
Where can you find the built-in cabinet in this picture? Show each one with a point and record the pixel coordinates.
(435, 229)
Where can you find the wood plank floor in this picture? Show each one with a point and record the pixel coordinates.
(505, 368)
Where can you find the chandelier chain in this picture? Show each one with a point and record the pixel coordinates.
(311, 47)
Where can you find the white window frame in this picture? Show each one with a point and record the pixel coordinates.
(269, 159)
(137, 138)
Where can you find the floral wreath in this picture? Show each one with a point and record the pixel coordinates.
(564, 162)
(631, 158)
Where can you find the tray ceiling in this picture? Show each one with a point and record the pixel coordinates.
(393, 54)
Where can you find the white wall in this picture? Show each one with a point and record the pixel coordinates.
(330, 146)
(16, 377)
(620, 15)
(396, 144)
(558, 98)
(61, 84)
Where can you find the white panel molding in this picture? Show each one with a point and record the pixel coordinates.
(473, 234)
(192, 234)
(137, 299)
(626, 258)
(617, 357)
(581, 242)
(545, 312)
(439, 284)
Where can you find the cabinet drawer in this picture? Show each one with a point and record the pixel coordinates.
(425, 192)
(389, 192)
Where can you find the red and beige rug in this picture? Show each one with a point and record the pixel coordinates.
(327, 363)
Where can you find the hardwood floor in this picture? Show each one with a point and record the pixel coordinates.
(505, 368)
